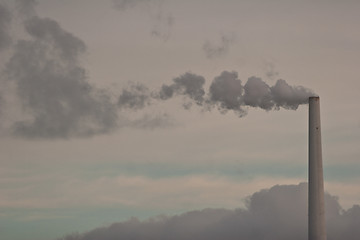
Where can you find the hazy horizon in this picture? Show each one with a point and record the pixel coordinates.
(117, 109)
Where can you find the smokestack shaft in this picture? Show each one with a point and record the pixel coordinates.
(316, 183)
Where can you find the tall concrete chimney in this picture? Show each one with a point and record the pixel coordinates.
(316, 182)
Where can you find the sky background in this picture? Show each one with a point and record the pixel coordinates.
(164, 158)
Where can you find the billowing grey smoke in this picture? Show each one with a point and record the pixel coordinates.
(137, 96)
(58, 101)
(26, 8)
(53, 86)
(289, 97)
(5, 19)
(188, 84)
(226, 92)
(258, 94)
(5, 40)
(278, 213)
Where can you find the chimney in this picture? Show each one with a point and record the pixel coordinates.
(316, 222)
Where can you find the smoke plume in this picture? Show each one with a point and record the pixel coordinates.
(5, 20)
(188, 84)
(278, 213)
(26, 8)
(226, 93)
(52, 85)
(137, 96)
(57, 100)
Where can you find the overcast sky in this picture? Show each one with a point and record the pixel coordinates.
(130, 108)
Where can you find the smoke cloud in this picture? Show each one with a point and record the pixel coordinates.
(26, 8)
(289, 97)
(188, 84)
(226, 93)
(278, 213)
(137, 96)
(52, 85)
(5, 20)
(58, 101)
(5, 41)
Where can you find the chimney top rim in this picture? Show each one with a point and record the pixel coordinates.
(314, 97)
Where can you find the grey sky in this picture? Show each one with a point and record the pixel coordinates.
(81, 80)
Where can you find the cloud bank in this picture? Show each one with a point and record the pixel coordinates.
(278, 213)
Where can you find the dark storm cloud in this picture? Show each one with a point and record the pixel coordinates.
(278, 213)
(5, 20)
(53, 86)
(220, 49)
